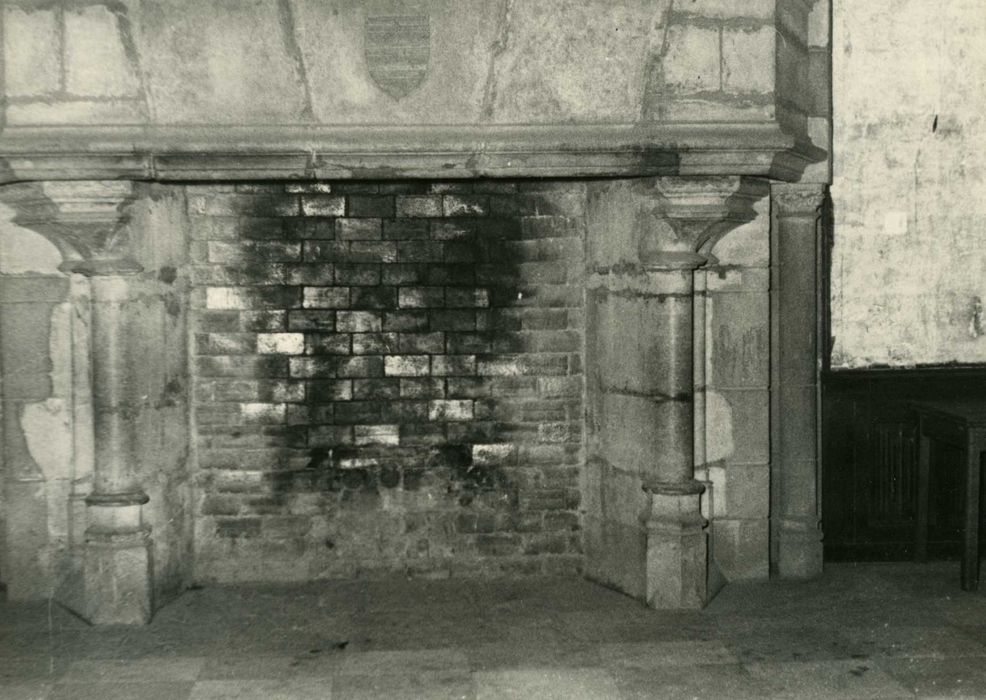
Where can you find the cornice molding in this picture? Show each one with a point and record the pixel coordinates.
(184, 153)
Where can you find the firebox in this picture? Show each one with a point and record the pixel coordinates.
(388, 377)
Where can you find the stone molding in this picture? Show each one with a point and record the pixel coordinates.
(452, 152)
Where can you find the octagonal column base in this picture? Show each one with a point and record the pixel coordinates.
(677, 547)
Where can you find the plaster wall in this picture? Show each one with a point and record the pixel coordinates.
(909, 182)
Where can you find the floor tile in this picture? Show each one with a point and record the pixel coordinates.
(282, 689)
(268, 667)
(546, 684)
(433, 685)
(137, 670)
(532, 654)
(397, 662)
(792, 642)
(827, 679)
(655, 655)
(908, 641)
(36, 668)
(120, 691)
(731, 681)
(955, 677)
(25, 690)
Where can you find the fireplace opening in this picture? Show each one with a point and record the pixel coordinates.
(387, 378)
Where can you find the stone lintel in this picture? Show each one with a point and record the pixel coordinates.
(235, 152)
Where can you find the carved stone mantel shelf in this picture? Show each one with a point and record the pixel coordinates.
(386, 152)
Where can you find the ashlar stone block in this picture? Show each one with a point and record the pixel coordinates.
(748, 60)
(31, 49)
(96, 61)
(692, 63)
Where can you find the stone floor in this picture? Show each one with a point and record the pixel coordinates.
(861, 631)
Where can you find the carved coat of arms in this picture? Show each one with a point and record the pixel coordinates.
(397, 44)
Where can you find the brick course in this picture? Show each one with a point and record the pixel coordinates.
(388, 376)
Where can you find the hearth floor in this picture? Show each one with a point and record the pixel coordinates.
(863, 631)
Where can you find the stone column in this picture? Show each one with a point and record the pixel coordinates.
(677, 543)
(645, 533)
(117, 564)
(697, 212)
(794, 410)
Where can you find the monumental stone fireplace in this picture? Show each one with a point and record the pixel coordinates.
(296, 290)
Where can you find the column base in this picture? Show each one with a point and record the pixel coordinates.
(116, 578)
(110, 579)
(799, 549)
(677, 548)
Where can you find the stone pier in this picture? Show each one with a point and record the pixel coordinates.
(646, 533)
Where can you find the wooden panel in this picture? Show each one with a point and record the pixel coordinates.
(869, 478)
(893, 486)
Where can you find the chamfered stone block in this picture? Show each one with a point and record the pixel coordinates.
(677, 553)
(117, 577)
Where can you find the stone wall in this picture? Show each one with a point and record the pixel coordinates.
(907, 286)
(388, 378)
(469, 61)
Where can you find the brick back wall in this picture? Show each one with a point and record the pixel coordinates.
(388, 378)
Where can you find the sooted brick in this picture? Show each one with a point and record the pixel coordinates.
(359, 339)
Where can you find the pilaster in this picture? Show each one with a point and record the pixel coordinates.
(795, 375)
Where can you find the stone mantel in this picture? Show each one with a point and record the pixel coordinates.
(290, 152)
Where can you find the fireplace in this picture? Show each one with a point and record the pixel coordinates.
(429, 303)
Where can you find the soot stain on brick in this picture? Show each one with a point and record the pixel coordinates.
(482, 260)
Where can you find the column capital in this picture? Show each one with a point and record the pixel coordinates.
(691, 214)
(88, 221)
(798, 200)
